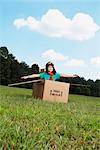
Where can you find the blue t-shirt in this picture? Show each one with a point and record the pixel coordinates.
(46, 76)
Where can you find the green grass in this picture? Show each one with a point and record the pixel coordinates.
(30, 124)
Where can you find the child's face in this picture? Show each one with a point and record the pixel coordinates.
(50, 68)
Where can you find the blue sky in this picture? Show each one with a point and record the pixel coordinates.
(66, 32)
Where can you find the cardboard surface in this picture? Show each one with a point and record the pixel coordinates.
(38, 89)
(56, 91)
(51, 91)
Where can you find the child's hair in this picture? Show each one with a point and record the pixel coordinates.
(50, 63)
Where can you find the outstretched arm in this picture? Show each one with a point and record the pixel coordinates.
(68, 76)
(30, 76)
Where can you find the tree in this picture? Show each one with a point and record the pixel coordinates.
(97, 88)
(35, 68)
(4, 67)
(10, 69)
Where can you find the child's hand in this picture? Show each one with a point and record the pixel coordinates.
(76, 76)
(24, 77)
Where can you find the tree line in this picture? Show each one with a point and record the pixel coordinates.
(11, 71)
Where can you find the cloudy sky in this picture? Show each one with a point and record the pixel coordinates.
(66, 32)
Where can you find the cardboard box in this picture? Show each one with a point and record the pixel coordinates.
(51, 91)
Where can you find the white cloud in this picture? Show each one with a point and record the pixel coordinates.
(95, 61)
(20, 23)
(31, 22)
(55, 24)
(53, 55)
(75, 62)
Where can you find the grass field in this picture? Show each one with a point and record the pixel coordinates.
(30, 124)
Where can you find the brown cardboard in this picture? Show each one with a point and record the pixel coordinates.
(38, 89)
(51, 91)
